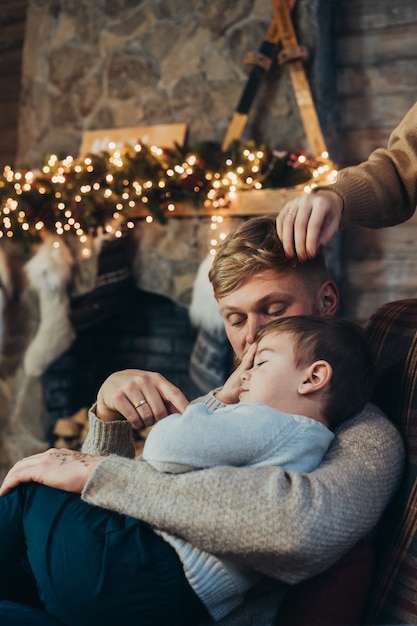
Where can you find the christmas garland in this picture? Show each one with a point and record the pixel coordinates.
(81, 195)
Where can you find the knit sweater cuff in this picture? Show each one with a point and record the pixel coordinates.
(358, 202)
(212, 402)
(105, 438)
(333, 188)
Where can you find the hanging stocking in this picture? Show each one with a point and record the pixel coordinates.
(49, 273)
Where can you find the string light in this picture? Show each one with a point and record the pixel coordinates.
(220, 228)
(83, 195)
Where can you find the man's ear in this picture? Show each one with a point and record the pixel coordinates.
(328, 298)
(315, 377)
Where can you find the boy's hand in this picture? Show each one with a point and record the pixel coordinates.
(229, 393)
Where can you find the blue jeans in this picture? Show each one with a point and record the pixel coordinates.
(91, 566)
(15, 614)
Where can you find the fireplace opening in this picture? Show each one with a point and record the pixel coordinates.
(151, 332)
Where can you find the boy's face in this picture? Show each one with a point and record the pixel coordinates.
(270, 295)
(274, 378)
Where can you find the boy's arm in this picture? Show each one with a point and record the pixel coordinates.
(288, 525)
(200, 438)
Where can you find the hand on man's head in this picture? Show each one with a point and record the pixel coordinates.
(308, 223)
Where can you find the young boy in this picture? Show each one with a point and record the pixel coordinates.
(95, 566)
(299, 388)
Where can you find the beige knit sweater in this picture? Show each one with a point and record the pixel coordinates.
(382, 191)
(287, 525)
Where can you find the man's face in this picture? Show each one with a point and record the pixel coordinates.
(267, 296)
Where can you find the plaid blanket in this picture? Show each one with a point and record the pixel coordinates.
(211, 360)
(393, 333)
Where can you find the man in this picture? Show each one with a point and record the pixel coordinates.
(286, 525)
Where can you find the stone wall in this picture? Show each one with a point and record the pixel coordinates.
(12, 28)
(94, 65)
(375, 51)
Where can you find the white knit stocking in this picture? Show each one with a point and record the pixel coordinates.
(49, 272)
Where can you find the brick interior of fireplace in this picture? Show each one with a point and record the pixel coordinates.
(151, 332)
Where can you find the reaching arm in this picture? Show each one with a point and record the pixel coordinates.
(377, 193)
(382, 191)
(288, 525)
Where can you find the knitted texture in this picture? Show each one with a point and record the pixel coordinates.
(287, 525)
(106, 438)
(382, 191)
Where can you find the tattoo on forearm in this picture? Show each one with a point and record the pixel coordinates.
(65, 456)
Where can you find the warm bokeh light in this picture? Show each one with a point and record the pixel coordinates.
(80, 196)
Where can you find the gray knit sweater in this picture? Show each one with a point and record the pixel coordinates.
(245, 513)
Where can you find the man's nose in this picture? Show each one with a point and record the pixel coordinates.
(252, 324)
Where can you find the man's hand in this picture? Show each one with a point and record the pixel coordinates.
(63, 469)
(141, 397)
(229, 393)
(308, 223)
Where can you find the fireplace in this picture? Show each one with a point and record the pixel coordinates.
(135, 316)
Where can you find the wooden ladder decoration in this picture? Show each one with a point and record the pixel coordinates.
(280, 31)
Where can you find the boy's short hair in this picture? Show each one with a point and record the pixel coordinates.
(254, 247)
(344, 345)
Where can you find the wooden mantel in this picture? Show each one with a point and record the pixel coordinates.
(242, 204)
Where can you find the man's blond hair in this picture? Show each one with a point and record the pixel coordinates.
(254, 247)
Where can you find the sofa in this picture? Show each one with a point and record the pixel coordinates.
(392, 330)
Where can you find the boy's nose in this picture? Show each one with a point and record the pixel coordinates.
(245, 376)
